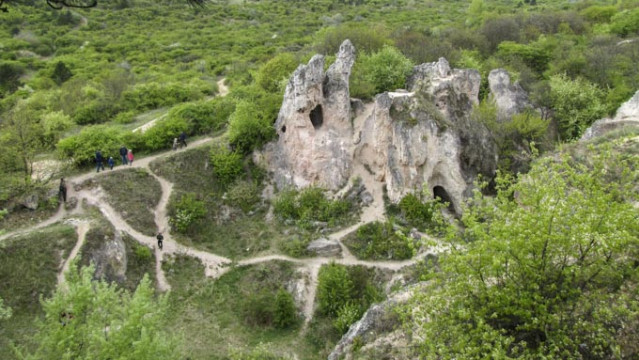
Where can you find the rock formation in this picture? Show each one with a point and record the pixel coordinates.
(313, 125)
(627, 115)
(510, 99)
(424, 136)
(110, 259)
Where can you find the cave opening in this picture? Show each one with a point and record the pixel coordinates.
(317, 117)
(283, 129)
(440, 194)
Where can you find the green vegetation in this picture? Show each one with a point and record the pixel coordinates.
(188, 210)
(379, 241)
(234, 302)
(134, 194)
(94, 318)
(30, 264)
(310, 205)
(549, 273)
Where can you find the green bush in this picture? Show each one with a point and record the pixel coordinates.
(227, 165)
(259, 309)
(54, 124)
(362, 36)
(125, 117)
(310, 205)
(10, 73)
(384, 70)
(577, 104)
(285, 312)
(599, 13)
(95, 112)
(346, 316)
(81, 148)
(143, 253)
(203, 116)
(334, 289)
(162, 134)
(625, 23)
(271, 75)
(527, 125)
(417, 212)
(247, 129)
(153, 95)
(536, 55)
(378, 240)
(188, 210)
(243, 194)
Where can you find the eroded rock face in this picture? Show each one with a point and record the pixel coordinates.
(407, 139)
(510, 99)
(313, 125)
(426, 137)
(324, 247)
(626, 115)
(110, 259)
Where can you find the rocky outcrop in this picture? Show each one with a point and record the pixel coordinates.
(626, 115)
(324, 247)
(510, 99)
(426, 137)
(377, 332)
(110, 259)
(407, 139)
(313, 125)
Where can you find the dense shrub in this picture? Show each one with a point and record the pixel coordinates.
(243, 194)
(285, 312)
(162, 134)
(259, 308)
(276, 72)
(81, 148)
(95, 112)
(204, 116)
(416, 211)
(385, 70)
(378, 240)
(10, 73)
(577, 104)
(310, 205)
(535, 55)
(334, 289)
(54, 124)
(247, 129)
(227, 165)
(188, 210)
(347, 315)
(625, 22)
(599, 13)
(153, 95)
(363, 37)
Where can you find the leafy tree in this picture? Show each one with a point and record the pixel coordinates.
(61, 73)
(81, 148)
(21, 139)
(384, 70)
(272, 74)
(625, 22)
(546, 269)
(96, 320)
(285, 312)
(10, 73)
(227, 165)
(577, 104)
(334, 288)
(247, 129)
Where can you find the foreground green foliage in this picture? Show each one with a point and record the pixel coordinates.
(96, 320)
(310, 205)
(380, 241)
(549, 273)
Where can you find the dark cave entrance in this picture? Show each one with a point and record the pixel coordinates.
(317, 117)
(283, 129)
(440, 194)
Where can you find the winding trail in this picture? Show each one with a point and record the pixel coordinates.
(216, 265)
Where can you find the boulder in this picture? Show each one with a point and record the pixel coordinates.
(510, 99)
(110, 259)
(324, 247)
(626, 115)
(29, 201)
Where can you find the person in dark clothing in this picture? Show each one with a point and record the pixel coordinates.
(63, 190)
(110, 162)
(183, 139)
(160, 237)
(123, 152)
(99, 161)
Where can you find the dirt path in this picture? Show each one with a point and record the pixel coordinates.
(81, 228)
(216, 265)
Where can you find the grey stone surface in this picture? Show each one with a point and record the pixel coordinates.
(324, 247)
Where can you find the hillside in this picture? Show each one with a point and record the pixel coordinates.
(363, 179)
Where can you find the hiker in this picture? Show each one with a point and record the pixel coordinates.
(160, 238)
(98, 160)
(183, 139)
(175, 144)
(63, 190)
(110, 162)
(129, 156)
(123, 152)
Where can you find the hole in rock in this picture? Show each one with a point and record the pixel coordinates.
(440, 194)
(283, 129)
(317, 117)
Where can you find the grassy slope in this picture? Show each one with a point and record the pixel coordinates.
(30, 264)
(134, 194)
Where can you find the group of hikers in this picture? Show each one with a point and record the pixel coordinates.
(125, 154)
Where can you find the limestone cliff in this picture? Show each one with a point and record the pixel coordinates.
(407, 140)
